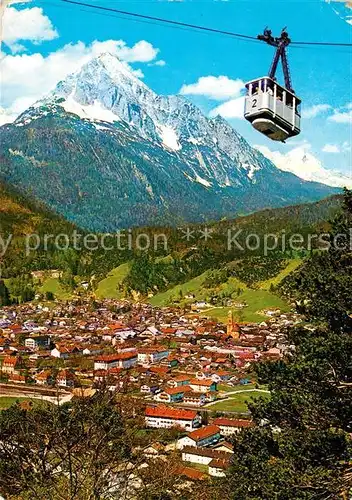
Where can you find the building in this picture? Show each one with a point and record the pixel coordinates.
(229, 426)
(179, 381)
(152, 355)
(91, 350)
(125, 359)
(11, 364)
(64, 352)
(233, 330)
(65, 378)
(217, 467)
(172, 394)
(17, 378)
(194, 398)
(201, 456)
(149, 389)
(223, 446)
(167, 417)
(44, 378)
(38, 342)
(205, 385)
(205, 436)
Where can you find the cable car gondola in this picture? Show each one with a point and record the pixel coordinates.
(272, 109)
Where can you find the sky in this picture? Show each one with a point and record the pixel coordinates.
(46, 40)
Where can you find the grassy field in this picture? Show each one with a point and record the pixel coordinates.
(108, 287)
(201, 467)
(229, 388)
(7, 401)
(192, 286)
(257, 300)
(237, 402)
(291, 266)
(54, 286)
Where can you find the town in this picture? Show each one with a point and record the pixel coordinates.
(187, 372)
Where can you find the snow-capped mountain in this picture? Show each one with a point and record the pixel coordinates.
(106, 90)
(301, 162)
(106, 151)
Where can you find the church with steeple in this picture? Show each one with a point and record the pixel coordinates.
(233, 329)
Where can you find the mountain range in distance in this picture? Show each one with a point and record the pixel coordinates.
(106, 152)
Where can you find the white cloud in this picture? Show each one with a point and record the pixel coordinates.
(32, 76)
(301, 162)
(230, 109)
(26, 24)
(160, 63)
(342, 116)
(214, 87)
(142, 51)
(315, 110)
(331, 148)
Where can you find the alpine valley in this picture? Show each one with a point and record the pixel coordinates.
(106, 152)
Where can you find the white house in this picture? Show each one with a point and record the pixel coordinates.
(65, 378)
(91, 350)
(125, 359)
(217, 467)
(206, 385)
(194, 398)
(205, 436)
(229, 426)
(37, 342)
(64, 352)
(167, 417)
(172, 394)
(151, 355)
(201, 455)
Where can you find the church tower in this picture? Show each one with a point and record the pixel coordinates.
(233, 330)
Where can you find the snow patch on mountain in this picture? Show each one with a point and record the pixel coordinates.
(106, 93)
(301, 162)
(202, 181)
(169, 138)
(93, 111)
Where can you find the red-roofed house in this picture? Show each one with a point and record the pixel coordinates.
(64, 352)
(205, 385)
(11, 364)
(229, 426)
(179, 381)
(172, 394)
(44, 377)
(217, 467)
(17, 378)
(119, 360)
(167, 417)
(65, 378)
(195, 398)
(205, 436)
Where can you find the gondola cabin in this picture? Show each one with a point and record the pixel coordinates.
(272, 109)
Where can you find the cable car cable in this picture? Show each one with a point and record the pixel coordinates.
(192, 26)
(161, 20)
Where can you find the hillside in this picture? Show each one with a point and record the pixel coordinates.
(206, 270)
(23, 218)
(21, 215)
(107, 152)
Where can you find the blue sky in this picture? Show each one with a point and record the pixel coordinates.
(321, 76)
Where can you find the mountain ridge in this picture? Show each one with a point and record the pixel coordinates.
(106, 152)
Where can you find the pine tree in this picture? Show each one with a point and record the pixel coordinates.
(301, 447)
(4, 294)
